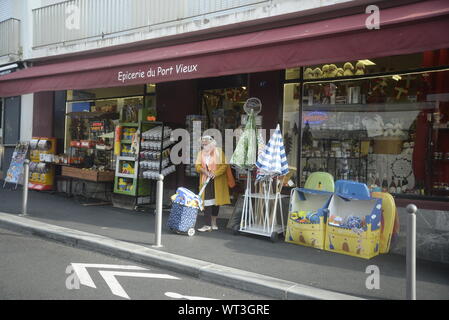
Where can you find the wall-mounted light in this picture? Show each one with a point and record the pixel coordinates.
(9, 67)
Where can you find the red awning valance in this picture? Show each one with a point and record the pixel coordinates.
(408, 29)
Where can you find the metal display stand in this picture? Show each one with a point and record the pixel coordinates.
(261, 217)
(158, 154)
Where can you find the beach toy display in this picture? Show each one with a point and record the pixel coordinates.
(354, 223)
(308, 211)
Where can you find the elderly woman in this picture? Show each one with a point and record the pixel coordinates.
(211, 163)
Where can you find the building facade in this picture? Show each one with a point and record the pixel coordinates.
(359, 87)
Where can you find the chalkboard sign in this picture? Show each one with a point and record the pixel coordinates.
(15, 171)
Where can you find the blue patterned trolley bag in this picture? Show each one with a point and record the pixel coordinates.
(183, 213)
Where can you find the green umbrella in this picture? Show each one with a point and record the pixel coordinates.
(245, 154)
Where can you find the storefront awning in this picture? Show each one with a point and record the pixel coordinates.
(408, 29)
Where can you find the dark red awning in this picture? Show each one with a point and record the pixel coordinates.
(407, 29)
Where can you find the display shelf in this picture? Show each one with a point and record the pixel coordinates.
(93, 114)
(127, 193)
(371, 107)
(124, 175)
(156, 140)
(437, 167)
(124, 158)
(130, 124)
(338, 158)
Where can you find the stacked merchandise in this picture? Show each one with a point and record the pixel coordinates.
(42, 172)
(199, 123)
(155, 153)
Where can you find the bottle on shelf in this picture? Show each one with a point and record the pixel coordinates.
(377, 181)
(385, 184)
(305, 172)
(338, 174)
(371, 183)
(399, 186)
(404, 185)
(392, 187)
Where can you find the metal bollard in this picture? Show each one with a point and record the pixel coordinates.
(411, 252)
(159, 200)
(26, 175)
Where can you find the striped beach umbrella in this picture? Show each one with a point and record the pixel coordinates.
(273, 160)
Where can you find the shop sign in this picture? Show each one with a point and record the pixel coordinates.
(157, 72)
(315, 117)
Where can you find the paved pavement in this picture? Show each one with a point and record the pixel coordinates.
(284, 261)
(37, 269)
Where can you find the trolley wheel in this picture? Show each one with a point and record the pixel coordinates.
(274, 237)
(191, 232)
(236, 230)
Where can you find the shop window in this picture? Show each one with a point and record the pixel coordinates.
(291, 125)
(390, 132)
(92, 117)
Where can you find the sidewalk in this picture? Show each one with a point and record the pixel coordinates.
(289, 262)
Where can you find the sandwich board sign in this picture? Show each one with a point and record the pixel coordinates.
(16, 169)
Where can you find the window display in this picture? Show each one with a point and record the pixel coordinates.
(369, 124)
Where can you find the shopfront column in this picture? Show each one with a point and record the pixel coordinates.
(43, 114)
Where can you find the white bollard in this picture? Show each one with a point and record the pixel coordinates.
(26, 174)
(159, 200)
(411, 252)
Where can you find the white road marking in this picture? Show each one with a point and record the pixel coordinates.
(117, 289)
(81, 271)
(175, 295)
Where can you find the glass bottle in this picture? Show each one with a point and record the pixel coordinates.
(371, 182)
(399, 186)
(392, 187)
(305, 172)
(404, 185)
(385, 184)
(377, 181)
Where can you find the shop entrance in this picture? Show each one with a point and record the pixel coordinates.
(10, 130)
(222, 101)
